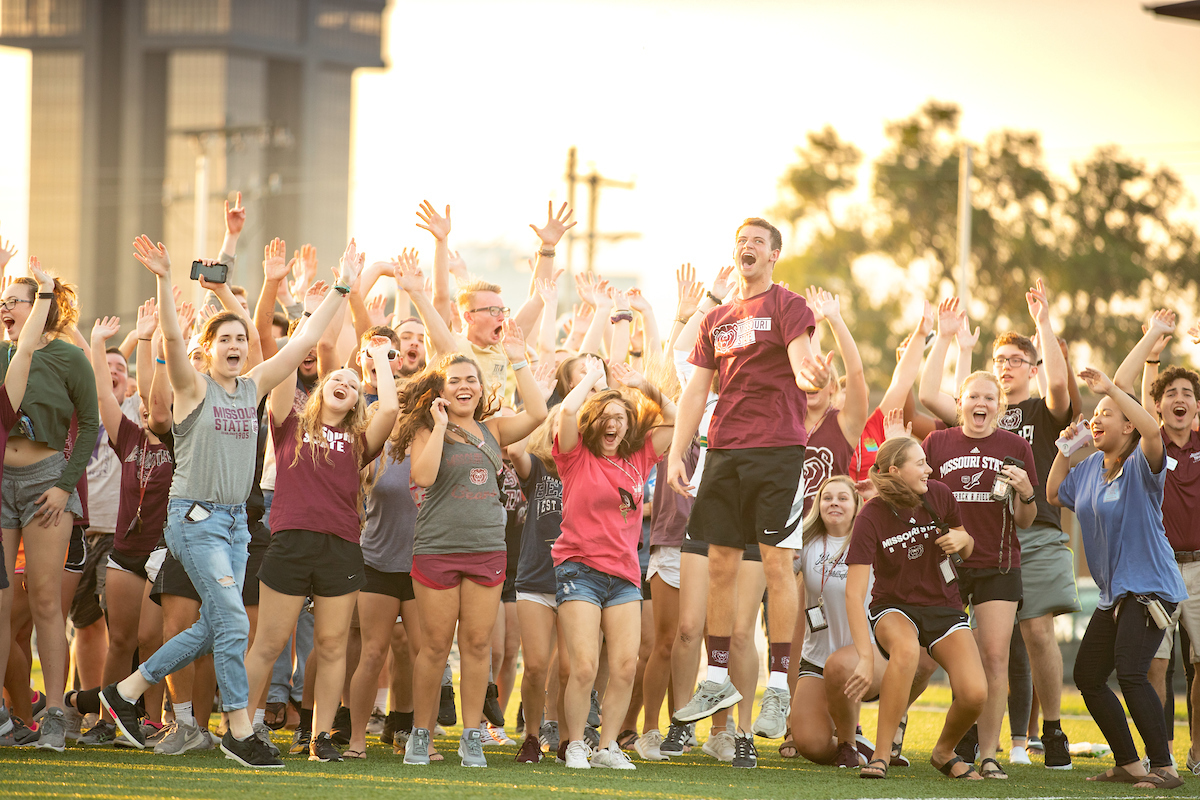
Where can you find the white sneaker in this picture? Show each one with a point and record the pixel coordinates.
(1018, 755)
(720, 745)
(577, 755)
(647, 746)
(772, 715)
(494, 736)
(611, 757)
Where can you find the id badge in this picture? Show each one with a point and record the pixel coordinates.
(949, 574)
(816, 618)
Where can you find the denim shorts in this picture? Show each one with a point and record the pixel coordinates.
(578, 581)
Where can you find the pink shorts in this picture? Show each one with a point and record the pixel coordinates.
(447, 570)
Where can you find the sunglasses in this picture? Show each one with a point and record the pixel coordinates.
(392, 354)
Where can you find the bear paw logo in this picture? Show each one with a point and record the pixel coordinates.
(479, 476)
(916, 551)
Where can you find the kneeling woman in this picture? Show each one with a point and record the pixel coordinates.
(907, 534)
(604, 450)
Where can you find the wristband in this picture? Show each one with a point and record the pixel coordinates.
(45, 295)
(681, 320)
(308, 313)
(548, 252)
(342, 290)
(1029, 502)
(140, 339)
(635, 353)
(623, 315)
(1155, 361)
(159, 361)
(714, 298)
(516, 365)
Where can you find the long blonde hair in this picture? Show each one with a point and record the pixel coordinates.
(813, 527)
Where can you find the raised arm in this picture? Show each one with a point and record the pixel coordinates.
(327, 360)
(810, 372)
(1058, 397)
(651, 338)
(543, 268)
(593, 290)
(908, 363)
(635, 380)
(930, 392)
(186, 383)
(966, 348)
(853, 417)
(16, 379)
(388, 407)
(622, 322)
(1062, 464)
(439, 226)
(110, 411)
(410, 278)
(547, 327)
(511, 429)
(235, 221)
(568, 423)
(1156, 333)
(158, 402)
(275, 272)
(1143, 420)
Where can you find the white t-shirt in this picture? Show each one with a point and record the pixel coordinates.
(824, 563)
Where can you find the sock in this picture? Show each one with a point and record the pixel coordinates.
(718, 658)
(780, 654)
(88, 701)
(124, 697)
(1050, 725)
(260, 716)
(306, 718)
(404, 720)
(381, 698)
(183, 714)
(466, 731)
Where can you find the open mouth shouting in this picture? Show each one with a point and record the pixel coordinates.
(748, 259)
(8, 322)
(341, 393)
(1179, 412)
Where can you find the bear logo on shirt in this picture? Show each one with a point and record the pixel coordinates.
(479, 476)
(916, 551)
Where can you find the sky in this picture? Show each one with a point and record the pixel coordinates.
(701, 103)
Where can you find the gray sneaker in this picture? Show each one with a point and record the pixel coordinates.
(74, 724)
(181, 738)
(6, 723)
(264, 734)
(52, 733)
(470, 748)
(771, 722)
(548, 735)
(104, 732)
(710, 698)
(416, 752)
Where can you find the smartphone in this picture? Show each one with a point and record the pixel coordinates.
(213, 273)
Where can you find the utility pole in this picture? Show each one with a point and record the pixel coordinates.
(595, 182)
(964, 224)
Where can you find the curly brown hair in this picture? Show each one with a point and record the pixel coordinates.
(420, 392)
(354, 424)
(640, 412)
(1169, 376)
(65, 311)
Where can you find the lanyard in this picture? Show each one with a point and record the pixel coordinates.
(824, 559)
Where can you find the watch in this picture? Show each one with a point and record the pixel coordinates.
(1030, 501)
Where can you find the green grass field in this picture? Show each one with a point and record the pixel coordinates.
(109, 773)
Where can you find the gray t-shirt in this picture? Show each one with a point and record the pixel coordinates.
(462, 512)
(387, 537)
(216, 446)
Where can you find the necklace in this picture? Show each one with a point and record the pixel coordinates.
(627, 498)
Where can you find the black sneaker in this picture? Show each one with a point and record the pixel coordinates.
(390, 723)
(594, 710)
(249, 752)
(1058, 751)
(491, 706)
(322, 749)
(968, 747)
(520, 719)
(447, 712)
(676, 742)
(744, 754)
(300, 741)
(125, 714)
(341, 727)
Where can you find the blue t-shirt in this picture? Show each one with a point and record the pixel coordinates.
(1121, 522)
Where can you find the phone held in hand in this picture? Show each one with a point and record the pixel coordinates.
(1069, 446)
(213, 273)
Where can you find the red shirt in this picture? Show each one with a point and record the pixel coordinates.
(868, 445)
(899, 543)
(1181, 498)
(969, 466)
(142, 464)
(602, 509)
(827, 454)
(746, 342)
(323, 496)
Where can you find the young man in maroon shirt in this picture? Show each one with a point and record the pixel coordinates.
(751, 490)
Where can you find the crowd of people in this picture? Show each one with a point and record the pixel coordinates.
(289, 514)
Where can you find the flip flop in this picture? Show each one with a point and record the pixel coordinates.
(997, 772)
(1119, 775)
(354, 754)
(948, 768)
(275, 715)
(880, 771)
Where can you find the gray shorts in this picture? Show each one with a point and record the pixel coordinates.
(22, 486)
(1047, 573)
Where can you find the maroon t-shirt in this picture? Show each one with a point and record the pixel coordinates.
(826, 454)
(148, 465)
(969, 466)
(1181, 498)
(323, 496)
(746, 342)
(899, 543)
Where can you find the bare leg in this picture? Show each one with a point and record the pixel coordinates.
(658, 667)
(993, 635)
(376, 620)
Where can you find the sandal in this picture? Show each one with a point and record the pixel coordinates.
(1165, 779)
(626, 739)
(275, 715)
(362, 754)
(1118, 775)
(434, 755)
(788, 748)
(897, 760)
(995, 772)
(877, 773)
(947, 769)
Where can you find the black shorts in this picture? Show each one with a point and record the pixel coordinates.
(392, 584)
(87, 607)
(932, 623)
(134, 565)
(173, 579)
(508, 592)
(752, 552)
(748, 496)
(260, 540)
(76, 550)
(303, 563)
(809, 668)
(981, 584)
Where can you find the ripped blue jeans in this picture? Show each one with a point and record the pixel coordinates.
(214, 551)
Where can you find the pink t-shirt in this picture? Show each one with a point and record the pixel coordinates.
(746, 342)
(602, 509)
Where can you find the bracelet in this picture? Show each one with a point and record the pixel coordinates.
(516, 365)
(342, 290)
(624, 315)
(548, 252)
(45, 295)
(714, 298)
(681, 320)
(1029, 502)
(1155, 361)
(635, 353)
(140, 339)
(160, 361)
(308, 313)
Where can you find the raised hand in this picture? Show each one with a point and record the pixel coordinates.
(44, 281)
(948, 320)
(7, 251)
(514, 341)
(1096, 380)
(593, 371)
(408, 275)
(814, 373)
(813, 295)
(147, 319)
(1039, 306)
(106, 328)
(187, 316)
(1194, 332)
(275, 259)
(458, 267)
(928, 318)
(626, 375)
(556, 224)
(1074, 427)
(545, 379)
(902, 348)
(154, 258)
(966, 340)
(620, 299)
(547, 289)
(638, 301)
(585, 287)
(722, 284)
(315, 294)
(308, 266)
(893, 424)
(437, 410)
(685, 277)
(375, 310)
(434, 222)
(203, 313)
(235, 218)
(377, 351)
(350, 264)
(689, 301)
(581, 316)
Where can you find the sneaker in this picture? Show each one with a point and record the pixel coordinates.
(864, 747)
(548, 735)
(771, 722)
(591, 736)
(612, 757)
(560, 753)
(388, 732)
(264, 734)
(1019, 755)
(576, 756)
(491, 706)
(847, 756)
(155, 731)
(249, 752)
(182, 737)
(416, 750)
(300, 741)
(19, 735)
(321, 749)
(102, 733)
(593, 719)
(968, 747)
(691, 740)
(720, 746)
(497, 736)
(710, 698)
(6, 723)
(1034, 746)
(52, 731)
(447, 712)
(376, 722)
(125, 714)
(74, 724)
(520, 729)
(676, 742)
(438, 730)
(1058, 753)
(340, 732)
(38, 700)
(470, 748)
(400, 742)
(744, 754)
(531, 751)
(647, 746)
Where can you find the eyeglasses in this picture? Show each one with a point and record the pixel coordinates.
(1012, 361)
(495, 311)
(11, 303)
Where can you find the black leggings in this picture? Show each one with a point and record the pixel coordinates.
(1126, 644)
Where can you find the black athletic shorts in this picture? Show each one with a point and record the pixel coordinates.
(393, 584)
(303, 563)
(76, 550)
(260, 540)
(752, 552)
(749, 496)
(981, 584)
(932, 623)
(87, 607)
(173, 579)
(508, 592)
(135, 565)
